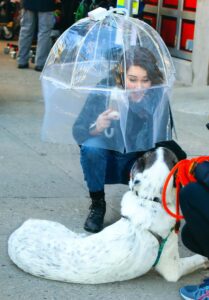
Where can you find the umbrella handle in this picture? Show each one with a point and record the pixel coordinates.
(109, 132)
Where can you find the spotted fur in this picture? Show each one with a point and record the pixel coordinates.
(123, 250)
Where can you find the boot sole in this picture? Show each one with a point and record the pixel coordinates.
(91, 230)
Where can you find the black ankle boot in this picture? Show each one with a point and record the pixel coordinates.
(95, 219)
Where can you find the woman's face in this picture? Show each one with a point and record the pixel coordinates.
(137, 78)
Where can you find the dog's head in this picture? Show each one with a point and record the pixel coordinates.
(149, 173)
(142, 204)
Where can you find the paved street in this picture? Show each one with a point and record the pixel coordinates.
(40, 180)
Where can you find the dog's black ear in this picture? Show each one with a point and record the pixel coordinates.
(141, 164)
(169, 158)
(174, 147)
(138, 166)
(144, 162)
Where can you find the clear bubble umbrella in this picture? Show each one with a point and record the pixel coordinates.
(106, 84)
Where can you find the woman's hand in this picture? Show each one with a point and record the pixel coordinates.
(103, 121)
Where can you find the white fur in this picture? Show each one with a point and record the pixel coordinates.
(124, 250)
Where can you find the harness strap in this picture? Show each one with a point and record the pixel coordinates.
(162, 244)
(160, 240)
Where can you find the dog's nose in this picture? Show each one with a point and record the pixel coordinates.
(136, 181)
(156, 199)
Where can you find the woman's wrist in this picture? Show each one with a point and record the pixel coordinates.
(93, 129)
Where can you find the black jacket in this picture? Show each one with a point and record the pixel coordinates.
(39, 5)
(201, 173)
(137, 125)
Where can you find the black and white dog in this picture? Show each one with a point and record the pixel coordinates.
(127, 249)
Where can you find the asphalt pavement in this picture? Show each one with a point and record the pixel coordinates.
(41, 180)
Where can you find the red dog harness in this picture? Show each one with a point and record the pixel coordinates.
(183, 173)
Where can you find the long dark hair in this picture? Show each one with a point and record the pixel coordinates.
(142, 57)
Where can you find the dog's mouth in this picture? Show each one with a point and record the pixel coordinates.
(135, 189)
(137, 194)
(155, 199)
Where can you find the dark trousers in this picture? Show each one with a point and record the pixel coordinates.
(194, 202)
(101, 166)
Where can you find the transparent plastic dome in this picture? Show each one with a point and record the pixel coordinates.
(106, 84)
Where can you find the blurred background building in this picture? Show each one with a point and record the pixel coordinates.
(182, 24)
(184, 27)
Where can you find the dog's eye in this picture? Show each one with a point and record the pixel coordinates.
(136, 181)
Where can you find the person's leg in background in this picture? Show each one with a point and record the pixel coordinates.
(194, 202)
(46, 21)
(28, 25)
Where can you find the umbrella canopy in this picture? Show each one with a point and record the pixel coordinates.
(106, 84)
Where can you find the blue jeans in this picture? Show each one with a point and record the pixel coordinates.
(102, 166)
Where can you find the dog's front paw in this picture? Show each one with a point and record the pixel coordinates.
(203, 261)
